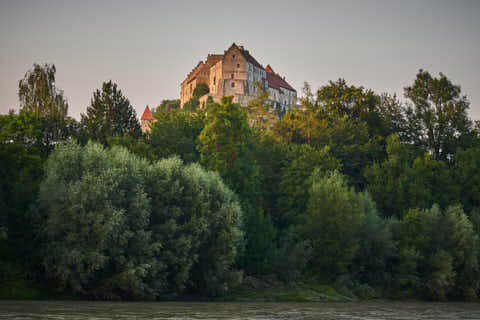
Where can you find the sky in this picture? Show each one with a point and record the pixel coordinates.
(148, 47)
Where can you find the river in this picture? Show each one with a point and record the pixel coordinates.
(77, 310)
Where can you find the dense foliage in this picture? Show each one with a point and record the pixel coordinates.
(117, 226)
(377, 197)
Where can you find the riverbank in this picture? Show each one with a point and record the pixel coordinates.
(271, 290)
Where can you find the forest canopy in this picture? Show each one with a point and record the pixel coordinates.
(365, 192)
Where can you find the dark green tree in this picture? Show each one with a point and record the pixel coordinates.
(176, 132)
(295, 183)
(401, 182)
(447, 248)
(467, 178)
(226, 146)
(117, 227)
(109, 114)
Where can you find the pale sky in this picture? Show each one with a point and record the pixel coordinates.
(148, 47)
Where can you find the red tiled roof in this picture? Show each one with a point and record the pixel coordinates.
(275, 81)
(147, 114)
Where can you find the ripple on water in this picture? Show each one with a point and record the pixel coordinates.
(80, 310)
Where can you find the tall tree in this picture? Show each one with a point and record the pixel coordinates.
(110, 113)
(437, 116)
(37, 92)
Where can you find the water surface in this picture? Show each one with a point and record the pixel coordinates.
(76, 310)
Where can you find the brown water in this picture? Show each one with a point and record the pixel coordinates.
(183, 310)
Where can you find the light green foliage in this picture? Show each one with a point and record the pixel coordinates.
(109, 114)
(176, 132)
(119, 227)
(438, 117)
(37, 92)
(334, 214)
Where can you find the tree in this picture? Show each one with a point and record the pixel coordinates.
(359, 104)
(261, 115)
(176, 132)
(438, 115)
(225, 145)
(167, 105)
(117, 227)
(109, 114)
(320, 126)
(447, 249)
(96, 224)
(37, 92)
(401, 182)
(334, 214)
(376, 249)
(467, 177)
(295, 182)
(197, 221)
(200, 90)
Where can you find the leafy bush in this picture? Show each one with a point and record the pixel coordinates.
(119, 227)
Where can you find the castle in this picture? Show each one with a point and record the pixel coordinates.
(235, 73)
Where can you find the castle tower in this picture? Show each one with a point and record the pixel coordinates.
(146, 120)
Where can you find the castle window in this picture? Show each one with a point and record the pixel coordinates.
(233, 56)
(232, 75)
(238, 65)
(214, 80)
(233, 84)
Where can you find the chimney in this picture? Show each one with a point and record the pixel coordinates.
(241, 47)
